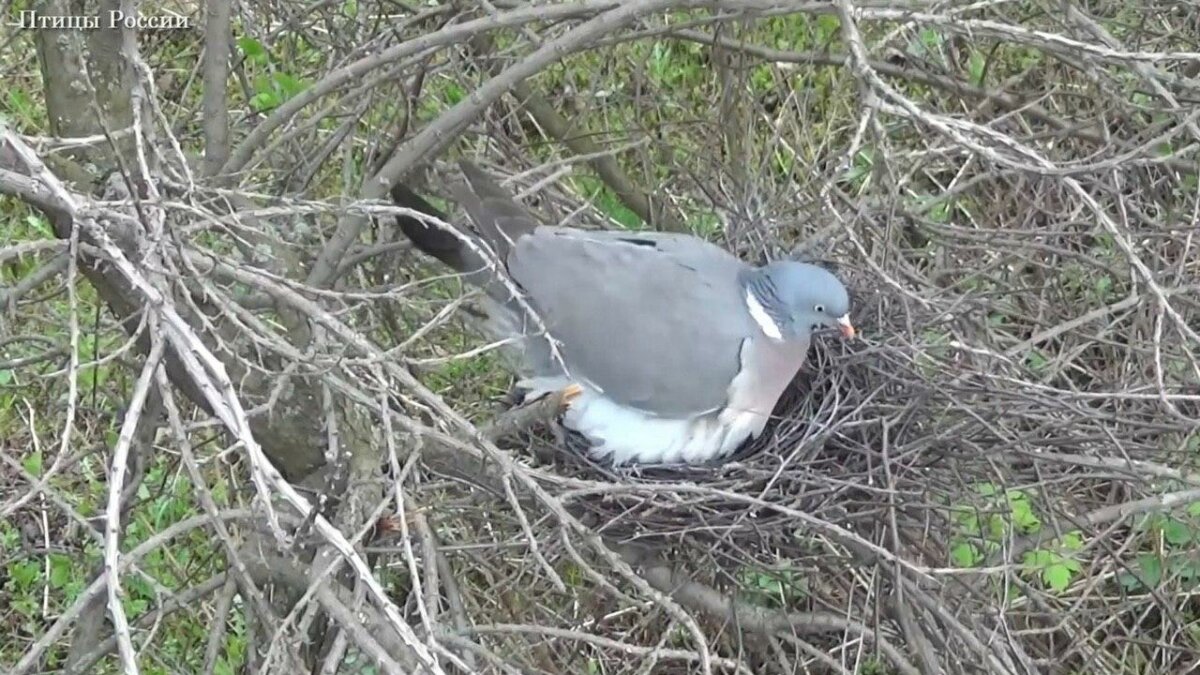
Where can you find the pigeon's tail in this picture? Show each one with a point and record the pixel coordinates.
(431, 239)
(500, 220)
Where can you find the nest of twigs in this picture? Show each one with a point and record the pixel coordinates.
(924, 446)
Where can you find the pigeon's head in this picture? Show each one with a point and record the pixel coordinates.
(789, 299)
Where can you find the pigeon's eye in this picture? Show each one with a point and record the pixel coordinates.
(820, 309)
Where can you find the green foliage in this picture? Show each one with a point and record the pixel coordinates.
(704, 223)
(675, 64)
(165, 497)
(858, 175)
(998, 516)
(829, 26)
(253, 50)
(33, 463)
(1176, 555)
(800, 31)
(875, 666)
(274, 86)
(928, 44)
(1036, 360)
(7, 403)
(1055, 567)
(572, 575)
(977, 67)
(607, 202)
(20, 106)
(938, 208)
(453, 92)
(272, 90)
(774, 587)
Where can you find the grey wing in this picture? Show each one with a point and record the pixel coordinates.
(656, 324)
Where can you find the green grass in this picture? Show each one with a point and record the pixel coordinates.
(36, 583)
(55, 579)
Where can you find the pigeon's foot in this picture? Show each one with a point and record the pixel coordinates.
(570, 393)
(565, 396)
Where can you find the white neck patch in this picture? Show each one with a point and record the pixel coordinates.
(760, 316)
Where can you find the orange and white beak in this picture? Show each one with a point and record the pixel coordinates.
(845, 326)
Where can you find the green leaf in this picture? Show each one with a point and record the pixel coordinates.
(72, 589)
(976, 65)
(9, 537)
(454, 93)
(33, 463)
(39, 225)
(1150, 569)
(705, 223)
(612, 207)
(856, 172)
(1037, 361)
(859, 171)
(1057, 577)
(659, 59)
(288, 85)
(1193, 509)
(20, 101)
(1073, 540)
(264, 101)
(964, 555)
(24, 574)
(1153, 522)
(60, 571)
(970, 523)
(1039, 559)
(253, 49)
(940, 213)
(1178, 533)
(997, 526)
(828, 26)
(1189, 570)
(1024, 518)
(1130, 582)
(928, 42)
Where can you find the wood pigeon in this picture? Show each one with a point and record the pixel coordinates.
(679, 350)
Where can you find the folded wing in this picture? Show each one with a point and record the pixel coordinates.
(655, 322)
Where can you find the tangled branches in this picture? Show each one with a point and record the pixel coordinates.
(999, 477)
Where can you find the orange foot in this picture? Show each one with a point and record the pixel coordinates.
(569, 393)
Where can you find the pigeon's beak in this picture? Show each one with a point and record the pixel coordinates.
(845, 326)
